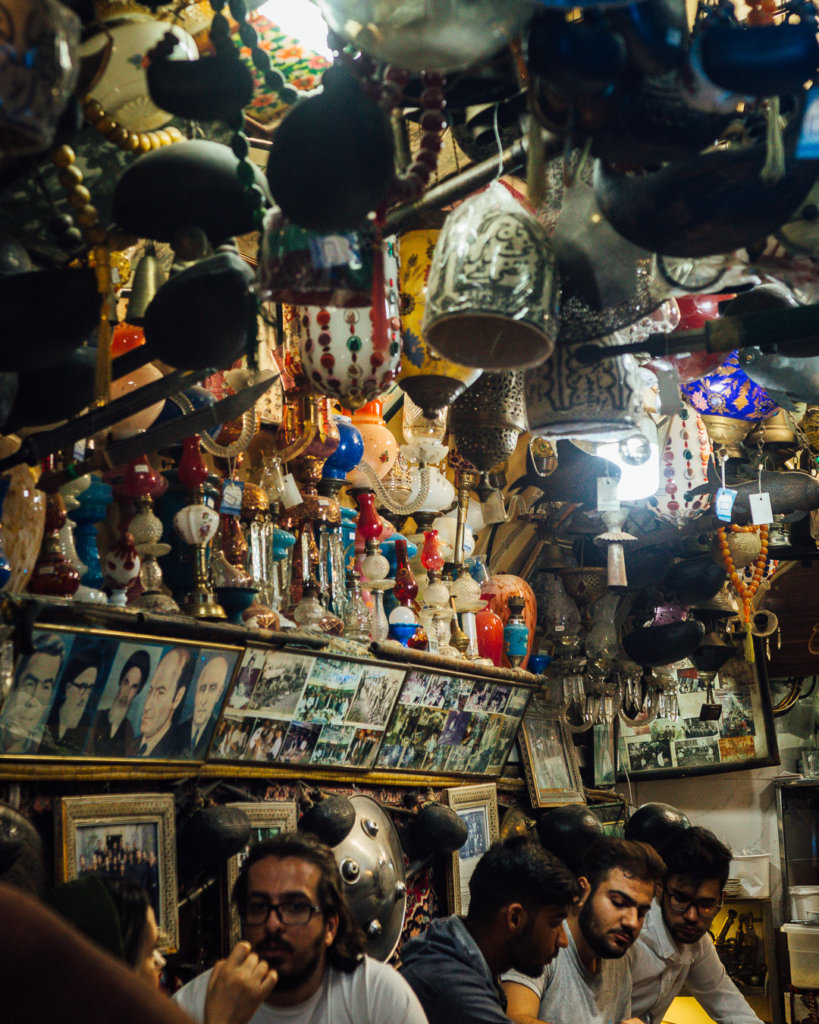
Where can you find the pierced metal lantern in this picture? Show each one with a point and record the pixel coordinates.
(489, 417)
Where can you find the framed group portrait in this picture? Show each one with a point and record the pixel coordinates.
(477, 807)
(123, 837)
(267, 819)
(549, 760)
(83, 693)
(720, 724)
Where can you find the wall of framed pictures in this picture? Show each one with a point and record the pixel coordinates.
(82, 695)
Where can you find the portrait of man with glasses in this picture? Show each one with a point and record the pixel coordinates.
(674, 948)
(301, 950)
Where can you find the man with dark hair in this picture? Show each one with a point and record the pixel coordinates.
(591, 982)
(29, 700)
(518, 899)
(674, 949)
(166, 691)
(112, 735)
(193, 734)
(295, 919)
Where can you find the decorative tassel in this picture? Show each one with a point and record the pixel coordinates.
(749, 646)
(102, 373)
(535, 163)
(774, 167)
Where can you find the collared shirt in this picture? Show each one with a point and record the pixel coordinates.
(660, 967)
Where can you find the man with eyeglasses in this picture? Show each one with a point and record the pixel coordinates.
(673, 949)
(302, 959)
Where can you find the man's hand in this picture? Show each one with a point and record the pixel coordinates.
(238, 986)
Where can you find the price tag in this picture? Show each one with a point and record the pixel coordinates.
(761, 513)
(725, 503)
(291, 495)
(607, 500)
(232, 498)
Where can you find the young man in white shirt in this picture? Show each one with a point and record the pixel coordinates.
(674, 948)
(295, 920)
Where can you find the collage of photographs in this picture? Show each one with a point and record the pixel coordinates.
(98, 695)
(691, 741)
(447, 724)
(299, 709)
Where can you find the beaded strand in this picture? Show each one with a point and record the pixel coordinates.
(745, 591)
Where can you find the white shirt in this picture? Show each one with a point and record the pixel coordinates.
(660, 967)
(372, 994)
(570, 994)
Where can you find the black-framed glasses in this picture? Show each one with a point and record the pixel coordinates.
(681, 902)
(294, 911)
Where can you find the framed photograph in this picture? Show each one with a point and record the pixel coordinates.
(447, 724)
(477, 807)
(86, 693)
(733, 728)
(266, 820)
(130, 836)
(549, 761)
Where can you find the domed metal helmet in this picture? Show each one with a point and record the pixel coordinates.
(371, 864)
(656, 824)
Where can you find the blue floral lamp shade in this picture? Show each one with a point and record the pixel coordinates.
(728, 391)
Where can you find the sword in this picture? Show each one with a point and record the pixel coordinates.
(45, 442)
(120, 452)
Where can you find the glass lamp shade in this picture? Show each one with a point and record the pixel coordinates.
(432, 557)
(489, 629)
(728, 391)
(446, 527)
(196, 524)
(433, 37)
(380, 447)
(348, 453)
(466, 592)
(145, 417)
(193, 472)
(418, 427)
(122, 562)
(441, 493)
(406, 586)
(141, 478)
(370, 526)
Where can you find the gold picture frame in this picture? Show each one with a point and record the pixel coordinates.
(549, 761)
(131, 836)
(477, 807)
(266, 819)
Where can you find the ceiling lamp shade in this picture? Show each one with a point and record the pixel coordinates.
(728, 391)
(492, 293)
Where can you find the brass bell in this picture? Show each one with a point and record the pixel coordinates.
(148, 279)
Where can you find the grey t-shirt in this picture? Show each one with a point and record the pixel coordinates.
(569, 993)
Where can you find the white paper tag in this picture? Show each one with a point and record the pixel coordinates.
(607, 500)
(291, 495)
(761, 513)
(724, 504)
